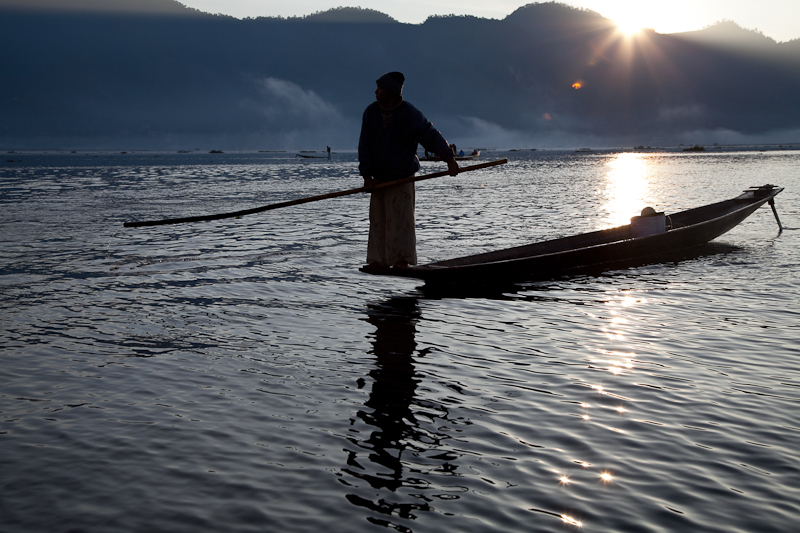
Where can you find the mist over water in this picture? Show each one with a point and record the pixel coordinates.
(242, 375)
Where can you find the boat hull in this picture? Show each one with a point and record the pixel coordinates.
(599, 250)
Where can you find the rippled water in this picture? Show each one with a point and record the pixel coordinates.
(242, 375)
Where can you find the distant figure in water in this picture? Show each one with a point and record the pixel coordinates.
(391, 130)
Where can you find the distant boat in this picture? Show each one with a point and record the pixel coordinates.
(461, 156)
(583, 150)
(695, 148)
(304, 154)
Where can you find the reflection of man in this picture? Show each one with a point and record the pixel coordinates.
(391, 129)
(389, 408)
(388, 426)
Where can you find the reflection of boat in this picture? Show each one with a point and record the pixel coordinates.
(461, 156)
(597, 250)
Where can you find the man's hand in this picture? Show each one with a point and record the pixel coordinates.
(369, 183)
(452, 166)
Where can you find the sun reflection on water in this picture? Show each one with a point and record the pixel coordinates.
(571, 521)
(626, 188)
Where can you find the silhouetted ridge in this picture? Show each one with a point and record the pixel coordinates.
(555, 18)
(139, 7)
(545, 73)
(727, 33)
(350, 15)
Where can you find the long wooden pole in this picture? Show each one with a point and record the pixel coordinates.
(218, 216)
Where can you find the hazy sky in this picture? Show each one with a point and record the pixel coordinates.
(779, 19)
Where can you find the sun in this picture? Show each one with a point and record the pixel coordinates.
(629, 29)
(629, 24)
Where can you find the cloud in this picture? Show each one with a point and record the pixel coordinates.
(286, 105)
(682, 114)
(473, 132)
(727, 137)
(294, 118)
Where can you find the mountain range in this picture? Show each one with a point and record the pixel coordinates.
(153, 74)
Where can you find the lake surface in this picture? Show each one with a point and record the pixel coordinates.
(242, 375)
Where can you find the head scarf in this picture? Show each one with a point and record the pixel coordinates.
(392, 82)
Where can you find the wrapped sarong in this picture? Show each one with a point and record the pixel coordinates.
(392, 235)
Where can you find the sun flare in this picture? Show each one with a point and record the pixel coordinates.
(629, 28)
(630, 23)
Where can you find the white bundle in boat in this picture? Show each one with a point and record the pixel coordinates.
(649, 223)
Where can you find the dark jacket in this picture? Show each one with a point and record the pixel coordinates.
(387, 148)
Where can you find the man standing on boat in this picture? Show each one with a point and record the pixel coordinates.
(391, 129)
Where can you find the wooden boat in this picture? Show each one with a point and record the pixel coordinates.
(466, 157)
(594, 251)
(305, 154)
